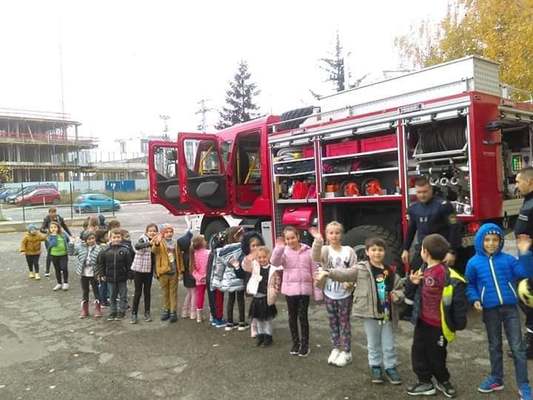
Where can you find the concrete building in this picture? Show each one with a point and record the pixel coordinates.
(42, 146)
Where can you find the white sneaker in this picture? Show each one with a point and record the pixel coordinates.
(65, 286)
(57, 287)
(343, 359)
(333, 356)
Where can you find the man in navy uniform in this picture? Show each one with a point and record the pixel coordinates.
(430, 214)
(524, 226)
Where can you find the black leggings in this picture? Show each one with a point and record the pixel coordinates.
(86, 282)
(297, 307)
(231, 303)
(61, 266)
(33, 263)
(143, 284)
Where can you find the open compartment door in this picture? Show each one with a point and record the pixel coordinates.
(204, 185)
(164, 176)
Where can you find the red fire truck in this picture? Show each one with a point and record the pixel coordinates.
(354, 156)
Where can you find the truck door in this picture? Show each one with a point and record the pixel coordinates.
(164, 176)
(201, 171)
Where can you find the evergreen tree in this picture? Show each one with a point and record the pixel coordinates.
(240, 105)
(334, 66)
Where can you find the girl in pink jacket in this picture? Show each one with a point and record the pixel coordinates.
(297, 285)
(198, 261)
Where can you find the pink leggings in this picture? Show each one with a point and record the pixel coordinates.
(200, 296)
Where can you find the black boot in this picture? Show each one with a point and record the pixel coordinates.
(260, 339)
(173, 317)
(165, 315)
(268, 341)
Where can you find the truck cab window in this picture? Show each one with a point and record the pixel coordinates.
(165, 162)
(202, 157)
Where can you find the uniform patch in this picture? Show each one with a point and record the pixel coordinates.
(452, 219)
(523, 217)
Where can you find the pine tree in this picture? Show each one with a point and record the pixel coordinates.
(240, 105)
(334, 66)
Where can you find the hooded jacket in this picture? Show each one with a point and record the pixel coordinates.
(492, 278)
(114, 262)
(298, 271)
(31, 243)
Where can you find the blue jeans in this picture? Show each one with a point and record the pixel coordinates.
(118, 291)
(507, 316)
(104, 292)
(380, 343)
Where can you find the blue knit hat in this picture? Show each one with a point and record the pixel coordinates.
(32, 227)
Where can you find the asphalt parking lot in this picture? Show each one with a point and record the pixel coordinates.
(47, 352)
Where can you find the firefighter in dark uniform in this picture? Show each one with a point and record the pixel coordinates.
(430, 214)
(524, 226)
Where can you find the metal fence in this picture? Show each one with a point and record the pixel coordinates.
(29, 201)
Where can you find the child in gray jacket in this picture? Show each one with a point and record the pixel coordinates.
(377, 291)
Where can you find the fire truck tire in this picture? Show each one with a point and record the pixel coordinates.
(293, 115)
(214, 227)
(356, 237)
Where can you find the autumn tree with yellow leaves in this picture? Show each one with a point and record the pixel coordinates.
(500, 30)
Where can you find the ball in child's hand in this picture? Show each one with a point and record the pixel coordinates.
(525, 293)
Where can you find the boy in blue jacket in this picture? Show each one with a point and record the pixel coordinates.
(492, 276)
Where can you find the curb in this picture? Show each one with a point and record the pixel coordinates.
(11, 227)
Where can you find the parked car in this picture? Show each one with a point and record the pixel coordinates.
(40, 195)
(8, 192)
(11, 199)
(95, 202)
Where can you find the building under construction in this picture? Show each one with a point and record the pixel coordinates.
(41, 146)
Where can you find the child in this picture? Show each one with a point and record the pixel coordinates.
(215, 296)
(434, 290)
(338, 296)
(143, 271)
(249, 242)
(52, 216)
(86, 254)
(57, 245)
(377, 291)
(114, 264)
(199, 254)
(492, 276)
(31, 248)
(168, 267)
(263, 285)
(188, 310)
(297, 285)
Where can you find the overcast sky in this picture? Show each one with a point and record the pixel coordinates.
(127, 62)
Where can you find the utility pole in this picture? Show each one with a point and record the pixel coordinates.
(203, 110)
(165, 118)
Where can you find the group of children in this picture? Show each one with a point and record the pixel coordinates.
(239, 263)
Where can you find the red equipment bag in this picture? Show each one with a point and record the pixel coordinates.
(300, 190)
(299, 217)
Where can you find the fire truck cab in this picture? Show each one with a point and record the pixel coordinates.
(355, 156)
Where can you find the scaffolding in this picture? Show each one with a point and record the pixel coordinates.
(42, 146)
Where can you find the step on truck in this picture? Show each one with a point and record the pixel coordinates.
(354, 156)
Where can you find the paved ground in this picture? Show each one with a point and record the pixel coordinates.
(46, 352)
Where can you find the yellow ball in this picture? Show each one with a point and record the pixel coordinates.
(524, 293)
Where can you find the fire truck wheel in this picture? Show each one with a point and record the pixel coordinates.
(356, 237)
(214, 227)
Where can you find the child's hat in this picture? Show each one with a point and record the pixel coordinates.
(32, 227)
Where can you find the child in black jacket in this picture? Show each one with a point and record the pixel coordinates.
(113, 266)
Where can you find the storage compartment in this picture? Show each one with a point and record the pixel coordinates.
(378, 143)
(299, 217)
(308, 152)
(342, 148)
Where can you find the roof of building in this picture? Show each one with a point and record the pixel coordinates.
(53, 118)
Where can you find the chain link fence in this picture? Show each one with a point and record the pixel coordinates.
(29, 201)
